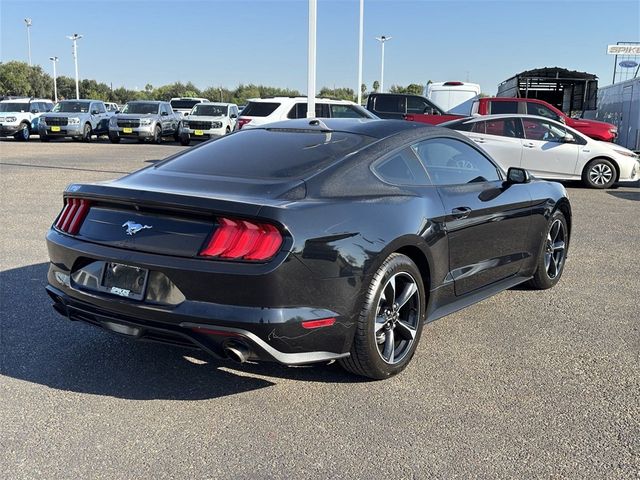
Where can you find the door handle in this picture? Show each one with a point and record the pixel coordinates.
(529, 145)
(461, 212)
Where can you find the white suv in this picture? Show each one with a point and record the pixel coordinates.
(20, 116)
(260, 111)
(208, 120)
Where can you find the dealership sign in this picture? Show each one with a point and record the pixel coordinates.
(623, 50)
(628, 64)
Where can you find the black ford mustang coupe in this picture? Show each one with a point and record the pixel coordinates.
(305, 241)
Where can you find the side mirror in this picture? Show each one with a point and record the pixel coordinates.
(518, 175)
(233, 115)
(164, 114)
(35, 110)
(568, 138)
(94, 112)
(117, 111)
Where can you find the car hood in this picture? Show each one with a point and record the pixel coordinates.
(133, 116)
(619, 149)
(64, 114)
(205, 118)
(581, 122)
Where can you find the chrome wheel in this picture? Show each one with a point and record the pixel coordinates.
(397, 317)
(555, 247)
(600, 174)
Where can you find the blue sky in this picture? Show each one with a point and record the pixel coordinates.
(226, 43)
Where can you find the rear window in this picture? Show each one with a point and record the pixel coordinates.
(260, 109)
(184, 104)
(504, 107)
(267, 154)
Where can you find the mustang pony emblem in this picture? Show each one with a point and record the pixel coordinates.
(133, 227)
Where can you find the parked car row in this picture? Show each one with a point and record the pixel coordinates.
(20, 116)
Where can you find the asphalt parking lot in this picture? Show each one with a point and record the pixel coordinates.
(525, 384)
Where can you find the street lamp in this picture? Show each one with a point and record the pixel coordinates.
(360, 53)
(54, 60)
(28, 22)
(74, 38)
(382, 40)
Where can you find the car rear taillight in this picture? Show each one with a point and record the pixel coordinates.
(242, 122)
(243, 240)
(73, 214)
(453, 84)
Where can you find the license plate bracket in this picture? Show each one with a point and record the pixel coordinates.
(127, 130)
(198, 132)
(124, 280)
(55, 129)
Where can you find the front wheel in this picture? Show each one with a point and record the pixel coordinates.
(114, 138)
(185, 139)
(24, 133)
(176, 134)
(157, 135)
(553, 253)
(86, 133)
(390, 323)
(44, 137)
(599, 173)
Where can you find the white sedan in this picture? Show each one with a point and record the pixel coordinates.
(550, 149)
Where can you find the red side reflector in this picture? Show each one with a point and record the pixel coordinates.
(325, 322)
(242, 239)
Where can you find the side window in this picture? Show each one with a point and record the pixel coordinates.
(503, 107)
(401, 168)
(540, 110)
(452, 162)
(299, 110)
(416, 105)
(165, 108)
(101, 108)
(543, 131)
(504, 127)
(390, 104)
(344, 111)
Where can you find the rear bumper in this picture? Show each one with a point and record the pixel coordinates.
(202, 335)
(201, 304)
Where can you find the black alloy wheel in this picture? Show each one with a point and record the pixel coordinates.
(391, 320)
(553, 253)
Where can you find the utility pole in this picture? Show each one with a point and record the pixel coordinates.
(54, 60)
(28, 22)
(74, 38)
(311, 60)
(382, 40)
(359, 90)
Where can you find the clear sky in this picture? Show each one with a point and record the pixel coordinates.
(228, 42)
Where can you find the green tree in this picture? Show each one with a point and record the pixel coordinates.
(18, 78)
(337, 93)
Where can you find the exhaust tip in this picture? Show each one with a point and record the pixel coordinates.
(237, 352)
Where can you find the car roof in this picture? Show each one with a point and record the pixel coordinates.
(298, 99)
(477, 118)
(147, 101)
(80, 100)
(217, 103)
(376, 128)
(25, 99)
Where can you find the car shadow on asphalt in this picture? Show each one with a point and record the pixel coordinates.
(38, 345)
(626, 195)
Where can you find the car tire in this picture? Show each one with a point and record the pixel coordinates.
(44, 137)
(157, 135)
(24, 133)
(114, 138)
(553, 253)
(387, 333)
(185, 139)
(176, 134)
(86, 133)
(228, 130)
(599, 173)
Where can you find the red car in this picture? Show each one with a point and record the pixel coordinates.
(531, 106)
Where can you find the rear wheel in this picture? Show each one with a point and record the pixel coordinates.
(599, 173)
(86, 133)
(390, 322)
(553, 253)
(24, 133)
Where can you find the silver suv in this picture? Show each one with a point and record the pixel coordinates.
(79, 119)
(145, 120)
